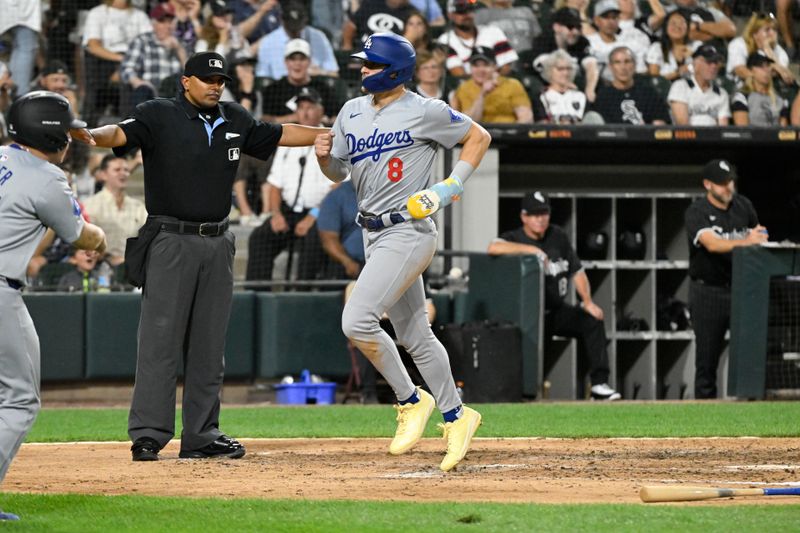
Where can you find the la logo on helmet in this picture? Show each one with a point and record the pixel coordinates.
(368, 44)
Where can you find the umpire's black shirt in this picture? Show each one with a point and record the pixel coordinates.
(733, 223)
(562, 265)
(190, 164)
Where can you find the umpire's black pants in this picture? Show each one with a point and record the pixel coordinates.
(572, 321)
(186, 304)
(711, 317)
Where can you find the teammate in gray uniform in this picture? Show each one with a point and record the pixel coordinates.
(387, 142)
(34, 195)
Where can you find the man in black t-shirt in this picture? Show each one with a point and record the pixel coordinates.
(374, 16)
(715, 224)
(625, 101)
(565, 34)
(561, 264)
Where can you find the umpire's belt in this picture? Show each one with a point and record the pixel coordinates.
(13, 283)
(203, 229)
(371, 222)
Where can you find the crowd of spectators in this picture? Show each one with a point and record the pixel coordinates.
(683, 62)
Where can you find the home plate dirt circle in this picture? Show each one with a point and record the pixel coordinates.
(530, 470)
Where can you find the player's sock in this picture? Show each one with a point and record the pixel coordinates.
(414, 398)
(453, 414)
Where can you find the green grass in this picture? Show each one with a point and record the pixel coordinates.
(759, 419)
(138, 513)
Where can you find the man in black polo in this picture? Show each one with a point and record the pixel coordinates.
(715, 225)
(191, 146)
(561, 264)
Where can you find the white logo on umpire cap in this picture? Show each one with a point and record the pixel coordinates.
(215, 63)
(724, 166)
(233, 154)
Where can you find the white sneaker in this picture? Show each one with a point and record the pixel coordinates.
(411, 421)
(604, 392)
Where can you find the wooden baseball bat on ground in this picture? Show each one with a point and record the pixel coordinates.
(687, 494)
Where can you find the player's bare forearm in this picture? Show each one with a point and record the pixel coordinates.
(503, 247)
(476, 142)
(297, 135)
(582, 286)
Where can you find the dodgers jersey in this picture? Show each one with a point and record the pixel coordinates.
(390, 152)
(34, 195)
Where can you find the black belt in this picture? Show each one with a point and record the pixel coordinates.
(13, 283)
(203, 229)
(371, 222)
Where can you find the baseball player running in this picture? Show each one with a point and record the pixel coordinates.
(34, 195)
(387, 141)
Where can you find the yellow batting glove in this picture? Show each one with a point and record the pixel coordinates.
(423, 203)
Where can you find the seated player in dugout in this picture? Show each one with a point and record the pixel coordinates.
(561, 264)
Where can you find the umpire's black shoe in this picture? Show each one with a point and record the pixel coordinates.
(145, 449)
(224, 446)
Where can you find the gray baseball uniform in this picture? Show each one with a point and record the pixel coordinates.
(390, 153)
(34, 194)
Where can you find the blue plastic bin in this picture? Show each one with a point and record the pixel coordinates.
(305, 392)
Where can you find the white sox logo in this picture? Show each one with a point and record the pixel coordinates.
(233, 154)
(215, 63)
(380, 22)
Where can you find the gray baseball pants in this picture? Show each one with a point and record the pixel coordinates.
(391, 282)
(186, 304)
(19, 374)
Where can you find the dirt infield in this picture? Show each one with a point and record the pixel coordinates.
(499, 470)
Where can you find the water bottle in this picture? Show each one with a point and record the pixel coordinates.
(104, 277)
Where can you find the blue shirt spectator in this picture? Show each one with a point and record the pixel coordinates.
(271, 62)
(337, 226)
(244, 9)
(431, 10)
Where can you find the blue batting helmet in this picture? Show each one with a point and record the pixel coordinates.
(393, 51)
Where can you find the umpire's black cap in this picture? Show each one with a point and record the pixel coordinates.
(719, 171)
(206, 64)
(536, 203)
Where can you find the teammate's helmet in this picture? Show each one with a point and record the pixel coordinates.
(393, 51)
(41, 119)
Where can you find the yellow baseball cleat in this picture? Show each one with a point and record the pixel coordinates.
(423, 203)
(459, 436)
(411, 421)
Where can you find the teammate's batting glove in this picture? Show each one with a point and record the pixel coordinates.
(426, 202)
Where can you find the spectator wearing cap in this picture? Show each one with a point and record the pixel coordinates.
(518, 23)
(706, 24)
(715, 224)
(760, 35)
(191, 146)
(490, 97)
(609, 36)
(219, 34)
(55, 77)
(559, 103)
(297, 188)
(565, 34)
(699, 100)
(153, 56)
(187, 22)
(374, 16)
(670, 56)
(109, 30)
(465, 36)
(294, 26)
(561, 268)
(256, 18)
(757, 103)
(280, 98)
(626, 100)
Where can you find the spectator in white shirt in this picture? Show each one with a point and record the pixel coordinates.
(670, 57)
(609, 36)
(559, 103)
(699, 101)
(760, 35)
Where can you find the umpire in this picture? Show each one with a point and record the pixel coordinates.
(715, 225)
(191, 145)
(34, 195)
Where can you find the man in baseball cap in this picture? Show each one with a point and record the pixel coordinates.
(206, 65)
(603, 7)
(561, 265)
(715, 224)
(708, 52)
